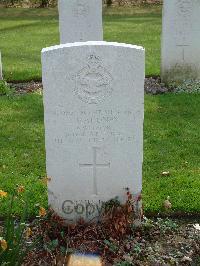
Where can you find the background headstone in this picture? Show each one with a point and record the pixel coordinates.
(181, 40)
(80, 20)
(93, 102)
(1, 72)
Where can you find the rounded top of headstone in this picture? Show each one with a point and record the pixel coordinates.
(92, 43)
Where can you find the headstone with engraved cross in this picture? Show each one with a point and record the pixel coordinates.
(181, 40)
(93, 102)
(80, 20)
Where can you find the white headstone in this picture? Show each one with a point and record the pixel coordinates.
(80, 20)
(93, 105)
(181, 40)
(1, 74)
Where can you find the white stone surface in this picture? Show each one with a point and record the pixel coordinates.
(181, 40)
(1, 74)
(80, 20)
(93, 105)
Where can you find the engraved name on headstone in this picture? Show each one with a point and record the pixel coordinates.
(93, 102)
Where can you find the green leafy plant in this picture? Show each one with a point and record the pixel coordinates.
(166, 225)
(187, 86)
(13, 237)
(51, 245)
(137, 248)
(112, 246)
(147, 224)
(5, 89)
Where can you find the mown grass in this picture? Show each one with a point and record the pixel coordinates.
(22, 155)
(24, 32)
(171, 132)
(140, 26)
(171, 143)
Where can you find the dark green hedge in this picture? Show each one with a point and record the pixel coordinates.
(50, 3)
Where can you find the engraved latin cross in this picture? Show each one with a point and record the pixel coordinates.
(94, 165)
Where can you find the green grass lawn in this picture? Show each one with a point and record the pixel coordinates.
(24, 32)
(171, 133)
(171, 143)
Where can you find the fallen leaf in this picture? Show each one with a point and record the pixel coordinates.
(185, 259)
(167, 204)
(4, 244)
(28, 232)
(197, 226)
(46, 179)
(42, 212)
(166, 173)
(20, 189)
(3, 194)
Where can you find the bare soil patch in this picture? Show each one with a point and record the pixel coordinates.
(153, 85)
(158, 242)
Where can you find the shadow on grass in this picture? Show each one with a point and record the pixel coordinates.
(25, 26)
(23, 14)
(139, 20)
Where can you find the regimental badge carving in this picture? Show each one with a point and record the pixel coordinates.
(81, 9)
(93, 83)
(184, 7)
